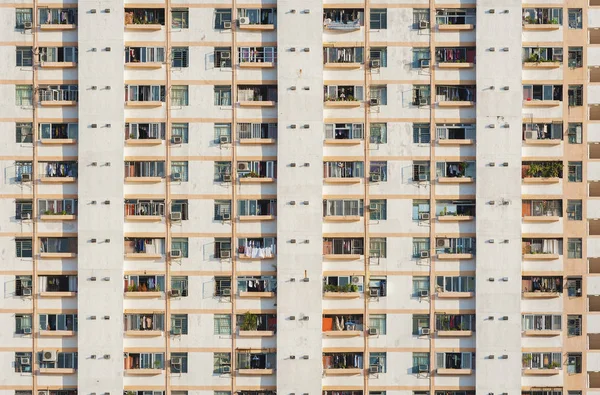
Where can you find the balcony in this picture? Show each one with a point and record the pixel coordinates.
(455, 19)
(343, 96)
(542, 333)
(257, 96)
(454, 372)
(256, 172)
(542, 134)
(144, 19)
(260, 19)
(143, 364)
(455, 96)
(61, 371)
(346, 364)
(257, 57)
(144, 325)
(542, 287)
(257, 133)
(342, 20)
(455, 211)
(259, 210)
(253, 363)
(146, 172)
(256, 248)
(144, 210)
(145, 58)
(455, 172)
(142, 286)
(56, 19)
(455, 248)
(455, 135)
(343, 57)
(256, 325)
(454, 325)
(256, 287)
(342, 325)
(57, 333)
(346, 249)
(541, 363)
(541, 172)
(541, 211)
(144, 96)
(58, 247)
(58, 95)
(455, 295)
(58, 286)
(541, 249)
(540, 19)
(343, 172)
(142, 248)
(455, 57)
(542, 95)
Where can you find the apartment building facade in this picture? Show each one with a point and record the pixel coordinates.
(318, 197)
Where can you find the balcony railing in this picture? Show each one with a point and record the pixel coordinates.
(250, 322)
(66, 94)
(542, 170)
(455, 93)
(250, 131)
(457, 19)
(144, 322)
(455, 322)
(546, 284)
(58, 16)
(350, 360)
(257, 94)
(342, 323)
(59, 169)
(151, 16)
(145, 208)
(343, 19)
(343, 246)
(542, 246)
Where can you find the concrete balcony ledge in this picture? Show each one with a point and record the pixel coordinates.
(445, 256)
(541, 103)
(456, 142)
(341, 295)
(257, 65)
(143, 372)
(541, 372)
(455, 27)
(143, 65)
(257, 27)
(143, 27)
(57, 217)
(450, 103)
(143, 218)
(143, 104)
(455, 295)
(342, 180)
(142, 142)
(57, 333)
(257, 141)
(143, 295)
(343, 372)
(548, 142)
(64, 294)
(256, 295)
(255, 372)
(58, 65)
(455, 218)
(143, 333)
(341, 218)
(143, 180)
(256, 180)
(243, 257)
(57, 141)
(58, 180)
(342, 333)
(57, 371)
(57, 27)
(256, 333)
(541, 180)
(544, 333)
(541, 218)
(334, 65)
(540, 257)
(256, 218)
(341, 257)
(455, 65)
(58, 103)
(58, 255)
(454, 333)
(454, 372)
(142, 255)
(541, 65)
(257, 103)
(455, 180)
(541, 295)
(542, 27)
(342, 141)
(342, 104)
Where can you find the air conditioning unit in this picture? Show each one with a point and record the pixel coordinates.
(176, 254)
(374, 369)
(227, 178)
(175, 293)
(27, 331)
(443, 243)
(226, 292)
(25, 216)
(25, 177)
(374, 292)
(224, 139)
(373, 206)
(530, 135)
(423, 24)
(373, 331)
(26, 291)
(244, 20)
(48, 356)
(423, 177)
(355, 279)
(375, 63)
(176, 361)
(225, 55)
(374, 102)
(227, 25)
(424, 294)
(176, 216)
(423, 101)
(424, 254)
(423, 368)
(25, 361)
(226, 216)
(243, 166)
(177, 140)
(226, 369)
(176, 330)
(424, 331)
(28, 25)
(425, 63)
(375, 177)
(176, 176)
(424, 216)
(225, 254)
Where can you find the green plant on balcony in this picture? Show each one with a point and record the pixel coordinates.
(529, 20)
(132, 288)
(341, 288)
(526, 360)
(554, 365)
(545, 169)
(249, 322)
(554, 21)
(156, 364)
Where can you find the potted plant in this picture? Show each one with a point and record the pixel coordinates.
(526, 360)
(156, 364)
(249, 322)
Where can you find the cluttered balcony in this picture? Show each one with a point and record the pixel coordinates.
(58, 247)
(342, 325)
(455, 18)
(143, 324)
(343, 172)
(542, 57)
(455, 248)
(58, 95)
(542, 287)
(343, 96)
(455, 57)
(144, 248)
(455, 172)
(542, 210)
(256, 362)
(550, 172)
(542, 133)
(342, 287)
(455, 210)
(341, 363)
(343, 248)
(455, 95)
(257, 95)
(143, 286)
(454, 325)
(57, 18)
(254, 287)
(145, 19)
(343, 19)
(256, 325)
(542, 19)
(542, 249)
(343, 57)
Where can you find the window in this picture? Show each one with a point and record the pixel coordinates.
(379, 54)
(24, 248)
(180, 283)
(24, 57)
(22, 168)
(180, 206)
(180, 19)
(222, 57)
(574, 287)
(179, 362)
(575, 57)
(378, 133)
(222, 130)
(421, 58)
(421, 95)
(222, 207)
(64, 360)
(378, 171)
(179, 95)
(541, 322)
(179, 171)
(574, 210)
(574, 248)
(419, 15)
(222, 95)
(221, 360)
(541, 360)
(420, 362)
(221, 16)
(378, 209)
(144, 54)
(23, 15)
(22, 323)
(419, 284)
(379, 93)
(420, 209)
(421, 133)
(574, 133)
(420, 245)
(223, 285)
(23, 362)
(181, 244)
(179, 324)
(574, 325)
(575, 95)
(575, 18)
(222, 324)
(24, 132)
(378, 359)
(180, 130)
(180, 57)
(455, 284)
(58, 54)
(58, 322)
(379, 322)
(24, 95)
(419, 321)
(377, 247)
(24, 209)
(222, 169)
(342, 207)
(379, 19)
(575, 172)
